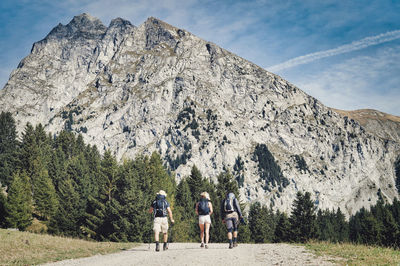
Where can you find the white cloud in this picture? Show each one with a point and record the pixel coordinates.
(356, 45)
(360, 82)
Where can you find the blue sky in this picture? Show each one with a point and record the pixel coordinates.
(345, 53)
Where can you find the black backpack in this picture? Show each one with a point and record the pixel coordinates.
(228, 205)
(160, 208)
(203, 208)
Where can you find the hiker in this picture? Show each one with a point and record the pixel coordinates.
(231, 213)
(204, 209)
(160, 207)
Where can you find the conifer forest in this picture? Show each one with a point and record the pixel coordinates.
(57, 184)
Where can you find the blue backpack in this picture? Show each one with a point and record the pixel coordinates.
(203, 208)
(160, 209)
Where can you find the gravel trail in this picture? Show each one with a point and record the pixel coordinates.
(216, 254)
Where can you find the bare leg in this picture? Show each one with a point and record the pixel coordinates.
(165, 237)
(156, 236)
(207, 232)
(235, 233)
(229, 235)
(201, 233)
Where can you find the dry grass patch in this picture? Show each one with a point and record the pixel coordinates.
(351, 254)
(22, 248)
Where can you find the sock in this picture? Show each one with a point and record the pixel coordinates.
(230, 241)
(234, 239)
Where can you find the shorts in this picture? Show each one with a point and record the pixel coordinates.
(204, 219)
(231, 221)
(160, 225)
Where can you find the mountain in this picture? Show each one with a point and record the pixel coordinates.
(155, 87)
(382, 125)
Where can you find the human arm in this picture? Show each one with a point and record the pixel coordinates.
(151, 210)
(170, 215)
(210, 207)
(197, 208)
(237, 208)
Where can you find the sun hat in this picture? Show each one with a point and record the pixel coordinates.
(162, 192)
(205, 195)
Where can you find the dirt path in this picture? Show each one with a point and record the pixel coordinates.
(217, 254)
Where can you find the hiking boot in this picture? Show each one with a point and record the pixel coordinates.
(157, 247)
(235, 244)
(165, 246)
(230, 245)
(206, 246)
(202, 245)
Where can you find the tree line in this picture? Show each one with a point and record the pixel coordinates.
(62, 186)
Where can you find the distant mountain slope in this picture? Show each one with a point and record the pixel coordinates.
(378, 123)
(156, 87)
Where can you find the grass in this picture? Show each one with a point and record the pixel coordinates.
(24, 248)
(351, 254)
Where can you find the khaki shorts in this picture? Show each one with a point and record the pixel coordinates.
(160, 225)
(232, 221)
(204, 219)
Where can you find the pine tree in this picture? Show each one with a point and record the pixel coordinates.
(325, 227)
(302, 219)
(184, 199)
(341, 227)
(3, 201)
(132, 208)
(44, 194)
(355, 226)
(8, 148)
(95, 217)
(161, 179)
(257, 223)
(67, 219)
(282, 230)
(109, 176)
(390, 230)
(370, 230)
(43, 142)
(29, 151)
(196, 183)
(395, 210)
(19, 202)
(100, 208)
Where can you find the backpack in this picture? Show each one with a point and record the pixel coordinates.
(228, 205)
(203, 208)
(160, 208)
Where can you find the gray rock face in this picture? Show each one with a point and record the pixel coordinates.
(135, 90)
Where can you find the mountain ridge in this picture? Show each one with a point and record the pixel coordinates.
(156, 87)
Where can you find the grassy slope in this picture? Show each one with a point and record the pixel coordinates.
(349, 254)
(22, 248)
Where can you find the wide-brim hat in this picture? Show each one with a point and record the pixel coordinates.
(162, 192)
(205, 195)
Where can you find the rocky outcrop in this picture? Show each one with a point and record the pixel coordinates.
(135, 90)
(380, 124)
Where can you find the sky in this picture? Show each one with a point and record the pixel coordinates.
(345, 53)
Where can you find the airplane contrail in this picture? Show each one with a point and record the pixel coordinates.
(356, 45)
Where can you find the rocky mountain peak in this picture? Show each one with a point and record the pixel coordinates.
(119, 22)
(82, 26)
(85, 22)
(155, 87)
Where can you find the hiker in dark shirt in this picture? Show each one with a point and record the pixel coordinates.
(204, 209)
(160, 207)
(231, 213)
